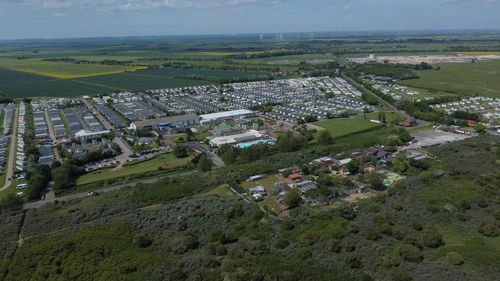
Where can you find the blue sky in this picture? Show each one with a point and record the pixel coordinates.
(93, 18)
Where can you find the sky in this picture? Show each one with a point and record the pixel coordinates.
(21, 19)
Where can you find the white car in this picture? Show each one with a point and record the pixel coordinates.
(20, 194)
(21, 186)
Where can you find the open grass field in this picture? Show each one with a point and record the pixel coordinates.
(481, 78)
(63, 70)
(165, 161)
(344, 127)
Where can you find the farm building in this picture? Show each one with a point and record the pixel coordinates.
(225, 115)
(179, 121)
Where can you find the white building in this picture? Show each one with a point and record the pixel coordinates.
(225, 115)
(83, 134)
(251, 135)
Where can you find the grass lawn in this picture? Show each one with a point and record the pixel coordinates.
(165, 161)
(220, 191)
(11, 190)
(343, 127)
(177, 138)
(461, 78)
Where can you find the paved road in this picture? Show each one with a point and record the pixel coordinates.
(52, 135)
(39, 204)
(12, 152)
(201, 148)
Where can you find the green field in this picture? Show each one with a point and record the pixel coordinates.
(23, 84)
(344, 127)
(481, 78)
(165, 161)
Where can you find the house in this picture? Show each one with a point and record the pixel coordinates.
(306, 186)
(325, 162)
(471, 123)
(294, 177)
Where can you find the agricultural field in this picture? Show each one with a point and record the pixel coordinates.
(481, 78)
(166, 161)
(62, 69)
(22, 84)
(344, 127)
(137, 81)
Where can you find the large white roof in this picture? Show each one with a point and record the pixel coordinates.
(225, 114)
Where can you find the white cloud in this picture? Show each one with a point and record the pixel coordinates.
(131, 4)
(59, 15)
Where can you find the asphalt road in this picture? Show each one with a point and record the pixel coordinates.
(12, 152)
(52, 135)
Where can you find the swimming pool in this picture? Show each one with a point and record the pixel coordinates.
(248, 144)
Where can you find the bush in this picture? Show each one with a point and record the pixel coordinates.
(432, 238)
(385, 229)
(464, 204)
(489, 228)
(371, 233)
(293, 198)
(353, 260)
(397, 206)
(454, 258)
(304, 253)
(417, 226)
(347, 212)
(399, 274)
(334, 245)
(348, 244)
(410, 253)
(398, 233)
(281, 243)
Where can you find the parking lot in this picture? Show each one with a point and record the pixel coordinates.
(432, 137)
